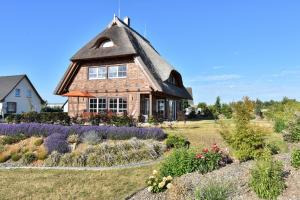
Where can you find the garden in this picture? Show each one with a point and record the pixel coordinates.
(237, 158)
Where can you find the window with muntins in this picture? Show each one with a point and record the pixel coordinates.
(97, 105)
(117, 71)
(97, 73)
(113, 105)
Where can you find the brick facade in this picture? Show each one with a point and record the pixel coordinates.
(130, 87)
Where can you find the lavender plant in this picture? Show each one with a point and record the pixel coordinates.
(104, 132)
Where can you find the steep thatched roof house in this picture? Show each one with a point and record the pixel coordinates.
(123, 72)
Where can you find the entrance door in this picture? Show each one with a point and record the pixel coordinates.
(172, 110)
(146, 106)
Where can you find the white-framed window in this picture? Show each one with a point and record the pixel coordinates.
(97, 105)
(118, 105)
(97, 73)
(17, 92)
(28, 94)
(93, 105)
(117, 71)
(101, 104)
(107, 43)
(160, 106)
(122, 105)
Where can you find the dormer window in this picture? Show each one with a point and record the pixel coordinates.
(107, 43)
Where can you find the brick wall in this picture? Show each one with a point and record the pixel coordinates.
(129, 87)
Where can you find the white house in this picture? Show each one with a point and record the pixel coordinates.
(18, 95)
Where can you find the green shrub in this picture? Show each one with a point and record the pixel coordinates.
(273, 148)
(176, 141)
(247, 140)
(38, 142)
(16, 156)
(156, 183)
(29, 158)
(11, 139)
(267, 178)
(182, 161)
(2, 148)
(295, 160)
(279, 125)
(213, 191)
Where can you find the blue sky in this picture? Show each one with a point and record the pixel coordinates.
(226, 48)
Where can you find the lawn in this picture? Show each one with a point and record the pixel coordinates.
(113, 184)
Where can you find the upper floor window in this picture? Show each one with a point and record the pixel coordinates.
(28, 94)
(172, 80)
(97, 73)
(117, 71)
(17, 92)
(107, 43)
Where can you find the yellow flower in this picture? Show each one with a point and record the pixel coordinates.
(151, 177)
(169, 178)
(169, 185)
(161, 184)
(150, 189)
(149, 182)
(164, 178)
(154, 172)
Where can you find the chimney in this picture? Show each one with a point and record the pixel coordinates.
(127, 21)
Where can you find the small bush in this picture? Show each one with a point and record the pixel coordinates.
(53, 159)
(42, 153)
(16, 156)
(273, 148)
(29, 158)
(2, 148)
(267, 177)
(12, 139)
(176, 141)
(295, 160)
(73, 139)
(292, 132)
(57, 142)
(182, 161)
(279, 125)
(4, 157)
(38, 142)
(91, 137)
(213, 191)
(158, 184)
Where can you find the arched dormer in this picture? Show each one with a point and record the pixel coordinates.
(103, 43)
(175, 79)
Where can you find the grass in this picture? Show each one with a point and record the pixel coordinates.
(113, 184)
(59, 184)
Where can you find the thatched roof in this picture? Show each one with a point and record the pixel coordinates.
(9, 83)
(128, 42)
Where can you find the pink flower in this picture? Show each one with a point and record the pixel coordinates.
(205, 150)
(215, 148)
(199, 156)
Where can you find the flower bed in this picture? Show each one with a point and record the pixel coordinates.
(105, 132)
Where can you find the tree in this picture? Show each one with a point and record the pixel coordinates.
(258, 108)
(218, 105)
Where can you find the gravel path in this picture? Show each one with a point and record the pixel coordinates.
(9, 166)
(236, 175)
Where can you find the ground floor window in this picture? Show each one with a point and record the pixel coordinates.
(116, 105)
(97, 105)
(11, 107)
